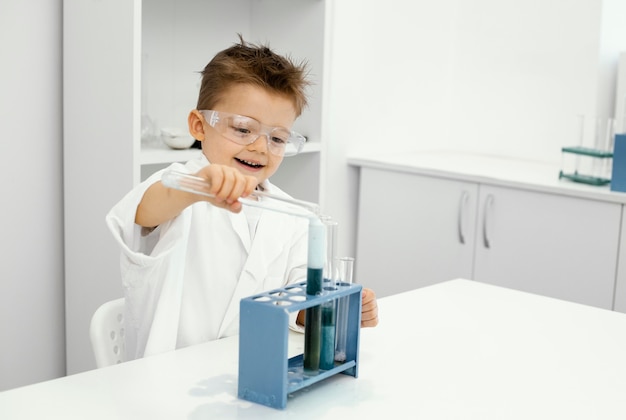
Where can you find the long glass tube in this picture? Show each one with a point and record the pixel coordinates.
(313, 316)
(193, 184)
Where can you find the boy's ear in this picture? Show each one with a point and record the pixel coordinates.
(196, 129)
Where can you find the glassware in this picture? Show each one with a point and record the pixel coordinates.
(590, 161)
(345, 269)
(194, 184)
(314, 280)
(327, 350)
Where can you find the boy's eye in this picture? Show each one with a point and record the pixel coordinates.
(241, 126)
(280, 137)
(239, 130)
(242, 130)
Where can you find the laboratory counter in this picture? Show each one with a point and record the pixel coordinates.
(532, 175)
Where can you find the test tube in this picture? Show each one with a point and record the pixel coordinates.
(313, 320)
(345, 268)
(327, 346)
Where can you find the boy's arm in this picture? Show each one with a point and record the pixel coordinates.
(160, 204)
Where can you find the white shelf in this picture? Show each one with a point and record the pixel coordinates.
(312, 147)
(159, 153)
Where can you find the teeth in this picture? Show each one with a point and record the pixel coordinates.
(250, 163)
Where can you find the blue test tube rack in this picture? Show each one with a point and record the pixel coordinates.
(266, 373)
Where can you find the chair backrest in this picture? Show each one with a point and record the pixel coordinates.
(107, 333)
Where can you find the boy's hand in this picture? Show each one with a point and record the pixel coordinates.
(160, 204)
(227, 185)
(369, 308)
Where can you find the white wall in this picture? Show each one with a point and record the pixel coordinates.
(483, 75)
(32, 332)
(505, 77)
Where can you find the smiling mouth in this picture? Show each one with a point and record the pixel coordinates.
(250, 164)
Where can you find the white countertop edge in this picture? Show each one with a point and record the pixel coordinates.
(547, 182)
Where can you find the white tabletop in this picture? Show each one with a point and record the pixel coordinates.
(455, 350)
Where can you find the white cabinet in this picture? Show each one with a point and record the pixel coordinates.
(548, 244)
(128, 58)
(421, 235)
(416, 229)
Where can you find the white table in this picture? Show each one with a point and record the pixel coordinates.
(456, 350)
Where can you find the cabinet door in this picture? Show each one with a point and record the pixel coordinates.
(620, 281)
(552, 245)
(413, 230)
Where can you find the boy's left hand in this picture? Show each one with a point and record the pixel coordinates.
(369, 308)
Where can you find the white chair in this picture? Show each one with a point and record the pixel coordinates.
(107, 333)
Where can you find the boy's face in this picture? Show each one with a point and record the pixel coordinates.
(254, 159)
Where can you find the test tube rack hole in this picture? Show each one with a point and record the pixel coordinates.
(266, 374)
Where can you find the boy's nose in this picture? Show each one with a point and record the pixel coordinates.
(260, 144)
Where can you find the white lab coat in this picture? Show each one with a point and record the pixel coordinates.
(184, 280)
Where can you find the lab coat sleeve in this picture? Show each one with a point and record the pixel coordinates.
(136, 243)
(149, 271)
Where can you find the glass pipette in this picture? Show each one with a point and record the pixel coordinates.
(197, 185)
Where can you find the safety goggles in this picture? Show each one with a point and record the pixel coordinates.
(245, 130)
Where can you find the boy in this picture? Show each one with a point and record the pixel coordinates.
(187, 260)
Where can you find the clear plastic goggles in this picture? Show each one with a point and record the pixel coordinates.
(245, 130)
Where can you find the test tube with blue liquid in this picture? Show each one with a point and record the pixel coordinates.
(327, 351)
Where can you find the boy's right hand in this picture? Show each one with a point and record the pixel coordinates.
(227, 185)
(160, 204)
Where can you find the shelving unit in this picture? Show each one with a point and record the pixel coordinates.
(128, 58)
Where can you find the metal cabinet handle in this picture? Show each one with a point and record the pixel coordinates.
(462, 210)
(486, 218)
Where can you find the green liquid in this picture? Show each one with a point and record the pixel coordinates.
(327, 346)
(312, 340)
(312, 323)
(314, 281)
